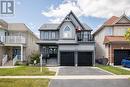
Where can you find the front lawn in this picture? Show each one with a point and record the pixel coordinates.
(115, 70)
(25, 71)
(24, 82)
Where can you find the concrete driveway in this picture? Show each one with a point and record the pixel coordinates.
(91, 83)
(81, 71)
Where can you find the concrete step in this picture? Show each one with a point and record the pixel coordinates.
(9, 63)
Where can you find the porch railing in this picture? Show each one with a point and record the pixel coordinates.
(4, 60)
(12, 39)
(15, 60)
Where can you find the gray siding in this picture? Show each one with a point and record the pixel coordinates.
(64, 25)
(81, 47)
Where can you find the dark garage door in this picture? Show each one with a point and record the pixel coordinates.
(84, 58)
(67, 58)
(119, 55)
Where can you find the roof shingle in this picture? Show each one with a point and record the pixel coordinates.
(109, 39)
(111, 20)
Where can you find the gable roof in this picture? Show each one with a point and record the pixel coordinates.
(3, 24)
(111, 39)
(17, 27)
(68, 19)
(123, 16)
(57, 26)
(111, 22)
(20, 27)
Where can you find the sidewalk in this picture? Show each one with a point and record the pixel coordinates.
(73, 77)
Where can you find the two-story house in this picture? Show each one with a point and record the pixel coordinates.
(69, 43)
(110, 40)
(17, 42)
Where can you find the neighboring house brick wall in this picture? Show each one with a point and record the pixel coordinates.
(117, 46)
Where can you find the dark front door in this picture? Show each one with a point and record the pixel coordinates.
(53, 52)
(119, 55)
(84, 58)
(16, 51)
(67, 59)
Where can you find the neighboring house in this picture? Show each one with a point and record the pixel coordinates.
(110, 41)
(17, 42)
(69, 43)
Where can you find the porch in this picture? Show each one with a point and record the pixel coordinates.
(12, 54)
(50, 54)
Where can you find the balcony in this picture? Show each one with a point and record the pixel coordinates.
(84, 37)
(12, 39)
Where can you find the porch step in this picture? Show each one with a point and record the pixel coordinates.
(9, 63)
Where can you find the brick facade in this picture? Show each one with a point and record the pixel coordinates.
(112, 47)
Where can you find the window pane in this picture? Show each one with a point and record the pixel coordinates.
(109, 31)
(49, 35)
(67, 32)
(53, 35)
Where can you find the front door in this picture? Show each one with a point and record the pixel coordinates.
(16, 51)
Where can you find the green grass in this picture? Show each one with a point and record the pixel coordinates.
(115, 70)
(25, 71)
(24, 82)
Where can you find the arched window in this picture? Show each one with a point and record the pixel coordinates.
(67, 33)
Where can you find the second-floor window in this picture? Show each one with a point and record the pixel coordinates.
(67, 32)
(109, 31)
(49, 35)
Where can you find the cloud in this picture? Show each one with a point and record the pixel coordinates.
(18, 2)
(33, 28)
(62, 10)
(94, 8)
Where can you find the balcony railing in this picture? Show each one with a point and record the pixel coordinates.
(12, 39)
(84, 37)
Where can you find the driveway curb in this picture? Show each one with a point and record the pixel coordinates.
(105, 70)
(72, 77)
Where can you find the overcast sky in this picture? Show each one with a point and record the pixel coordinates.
(92, 12)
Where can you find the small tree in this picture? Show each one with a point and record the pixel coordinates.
(127, 34)
(35, 57)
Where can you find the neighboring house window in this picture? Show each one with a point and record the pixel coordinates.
(67, 33)
(109, 31)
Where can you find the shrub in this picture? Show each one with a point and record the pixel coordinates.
(33, 57)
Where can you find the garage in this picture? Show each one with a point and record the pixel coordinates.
(84, 58)
(119, 55)
(67, 59)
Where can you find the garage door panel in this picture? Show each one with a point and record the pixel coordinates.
(84, 58)
(67, 58)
